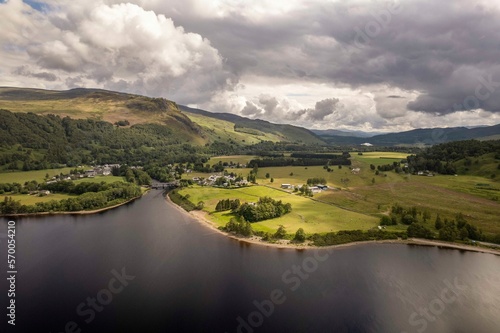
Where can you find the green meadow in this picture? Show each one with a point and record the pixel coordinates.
(23, 176)
(368, 194)
(29, 200)
(312, 216)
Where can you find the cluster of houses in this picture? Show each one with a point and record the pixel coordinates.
(314, 189)
(425, 173)
(225, 181)
(100, 170)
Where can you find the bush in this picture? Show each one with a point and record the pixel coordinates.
(280, 233)
(385, 220)
(300, 235)
(420, 231)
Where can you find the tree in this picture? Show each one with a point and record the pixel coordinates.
(268, 175)
(418, 230)
(280, 233)
(426, 215)
(438, 224)
(300, 235)
(272, 180)
(407, 219)
(385, 220)
(464, 234)
(200, 205)
(448, 232)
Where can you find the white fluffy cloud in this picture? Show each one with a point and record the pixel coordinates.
(119, 46)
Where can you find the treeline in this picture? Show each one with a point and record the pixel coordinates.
(227, 204)
(184, 202)
(316, 180)
(283, 161)
(447, 230)
(266, 208)
(108, 195)
(132, 175)
(348, 236)
(440, 158)
(332, 157)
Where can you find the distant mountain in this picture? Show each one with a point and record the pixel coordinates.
(334, 132)
(240, 128)
(419, 137)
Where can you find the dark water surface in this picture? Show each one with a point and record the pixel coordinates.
(182, 277)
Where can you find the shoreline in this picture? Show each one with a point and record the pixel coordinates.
(201, 218)
(80, 212)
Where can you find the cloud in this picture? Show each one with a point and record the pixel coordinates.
(122, 46)
(278, 60)
(322, 109)
(25, 71)
(251, 109)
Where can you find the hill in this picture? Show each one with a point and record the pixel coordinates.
(218, 125)
(190, 125)
(418, 137)
(97, 104)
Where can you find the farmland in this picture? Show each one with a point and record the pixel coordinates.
(312, 216)
(23, 176)
(366, 193)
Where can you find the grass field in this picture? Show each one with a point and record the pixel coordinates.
(379, 158)
(308, 214)
(242, 159)
(474, 196)
(23, 176)
(33, 199)
(224, 130)
(98, 179)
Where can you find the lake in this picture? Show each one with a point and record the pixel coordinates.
(147, 267)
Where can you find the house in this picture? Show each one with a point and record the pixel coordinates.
(322, 187)
(315, 189)
(90, 173)
(286, 186)
(355, 170)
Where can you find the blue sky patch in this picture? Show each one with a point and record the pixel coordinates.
(37, 5)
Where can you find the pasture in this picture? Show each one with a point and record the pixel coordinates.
(311, 215)
(367, 193)
(23, 176)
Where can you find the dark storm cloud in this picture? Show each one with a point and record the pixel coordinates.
(440, 49)
(25, 71)
(323, 108)
(251, 109)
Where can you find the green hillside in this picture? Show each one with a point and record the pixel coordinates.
(103, 105)
(189, 125)
(254, 130)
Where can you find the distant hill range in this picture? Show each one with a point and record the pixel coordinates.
(245, 127)
(418, 137)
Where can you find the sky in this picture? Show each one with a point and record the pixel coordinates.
(375, 66)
